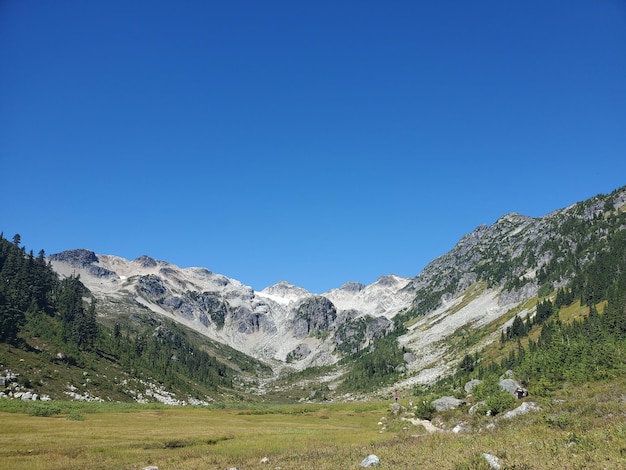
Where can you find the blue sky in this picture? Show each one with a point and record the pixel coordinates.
(314, 142)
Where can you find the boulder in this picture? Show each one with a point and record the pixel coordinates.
(492, 460)
(509, 385)
(461, 428)
(446, 403)
(469, 386)
(370, 461)
(408, 357)
(476, 407)
(524, 408)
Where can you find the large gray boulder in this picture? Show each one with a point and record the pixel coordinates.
(396, 408)
(447, 403)
(509, 385)
(523, 409)
(469, 386)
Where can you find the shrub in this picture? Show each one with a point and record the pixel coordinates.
(424, 410)
(499, 402)
(75, 416)
(44, 409)
(496, 399)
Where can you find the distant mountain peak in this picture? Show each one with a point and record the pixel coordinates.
(352, 286)
(146, 262)
(286, 291)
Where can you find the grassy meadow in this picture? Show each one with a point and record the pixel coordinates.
(577, 429)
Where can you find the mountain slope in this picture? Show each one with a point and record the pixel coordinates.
(495, 270)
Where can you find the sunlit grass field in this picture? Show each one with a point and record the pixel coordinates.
(579, 428)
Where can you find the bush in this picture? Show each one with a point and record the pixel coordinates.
(496, 399)
(75, 416)
(44, 409)
(424, 410)
(500, 402)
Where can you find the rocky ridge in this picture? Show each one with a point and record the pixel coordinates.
(280, 324)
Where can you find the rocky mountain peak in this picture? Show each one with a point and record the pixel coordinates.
(285, 292)
(146, 262)
(352, 286)
(78, 258)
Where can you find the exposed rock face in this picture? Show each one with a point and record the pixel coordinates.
(79, 258)
(152, 288)
(518, 295)
(146, 262)
(353, 286)
(314, 316)
(356, 334)
(490, 271)
(83, 259)
(301, 352)
(249, 322)
(386, 297)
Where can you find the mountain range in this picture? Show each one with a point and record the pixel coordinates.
(492, 275)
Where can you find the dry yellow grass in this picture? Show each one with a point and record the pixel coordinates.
(184, 438)
(581, 430)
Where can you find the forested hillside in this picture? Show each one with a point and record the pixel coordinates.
(56, 321)
(577, 331)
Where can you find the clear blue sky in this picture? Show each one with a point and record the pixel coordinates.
(314, 142)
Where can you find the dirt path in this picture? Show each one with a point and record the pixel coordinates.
(430, 427)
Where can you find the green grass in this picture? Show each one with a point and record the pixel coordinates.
(578, 428)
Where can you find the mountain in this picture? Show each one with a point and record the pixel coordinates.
(396, 331)
(280, 324)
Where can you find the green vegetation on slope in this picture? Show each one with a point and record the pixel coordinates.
(46, 325)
